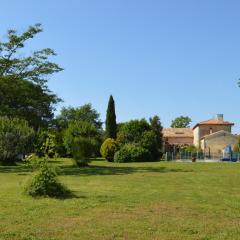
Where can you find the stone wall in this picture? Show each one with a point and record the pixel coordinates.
(219, 143)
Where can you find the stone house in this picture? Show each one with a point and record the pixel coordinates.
(212, 136)
(178, 136)
(205, 128)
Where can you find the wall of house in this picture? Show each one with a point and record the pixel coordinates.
(218, 143)
(196, 137)
(204, 130)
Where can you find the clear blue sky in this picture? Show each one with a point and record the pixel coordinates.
(164, 57)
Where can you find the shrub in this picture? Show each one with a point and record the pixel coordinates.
(45, 183)
(149, 142)
(82, 149)
(34, 162)
(132, 153)
(142, 134)
(108, 149)
(132, 131)
(49, 143)
(15, 138)
(81, 139)
(236, 147)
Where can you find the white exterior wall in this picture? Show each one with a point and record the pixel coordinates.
(196, 137)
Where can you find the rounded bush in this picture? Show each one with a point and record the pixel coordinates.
(44, 183)
(108, 149)
(132, 153)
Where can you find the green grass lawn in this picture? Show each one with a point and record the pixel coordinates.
(160, 200)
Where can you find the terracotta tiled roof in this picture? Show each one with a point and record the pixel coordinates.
(177, 132)
(214, 122)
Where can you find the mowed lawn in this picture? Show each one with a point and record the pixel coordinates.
(161, 200)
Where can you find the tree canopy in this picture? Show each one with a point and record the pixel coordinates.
(83, 113)
(23, 79)
(143, 134)
(181, 122)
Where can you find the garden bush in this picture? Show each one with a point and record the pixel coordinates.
(45, 183)
(15, 139)
(81, 140)
(108, 149)
(132, 153)
(34, 162)
(142, 134)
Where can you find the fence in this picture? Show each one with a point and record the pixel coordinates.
(170, 156)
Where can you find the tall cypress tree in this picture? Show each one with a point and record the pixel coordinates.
(111, 124)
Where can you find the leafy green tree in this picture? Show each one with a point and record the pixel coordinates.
(132, 131)
(82, 140)
(140, 133)
(181, 122)
(15, 139)
(111, 124)
(83, 113)
(23, 79)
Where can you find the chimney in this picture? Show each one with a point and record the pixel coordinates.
(220, 117)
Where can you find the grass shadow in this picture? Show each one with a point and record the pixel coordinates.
(112, 170)
(18, 168)
(71, 170)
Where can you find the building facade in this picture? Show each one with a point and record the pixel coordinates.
(205, 128)
(212, 136)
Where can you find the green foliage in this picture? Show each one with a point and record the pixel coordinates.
(26, 100)
(82, 140)
(49, 143)
(132, 131)
(45, 183)
(49, 146)
(191, 149)
(157, 128)
(236, 147)
(149, 142)
(15, 138)
(132, 153)
(111, 124)
(181, 122)
(142, 134)
(35, 68)
(108, 149)
(40, 138)
(23, 89)
(84, 113)
(34, 162)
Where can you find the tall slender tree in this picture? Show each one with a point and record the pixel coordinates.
(111, 124)
(157, 128)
